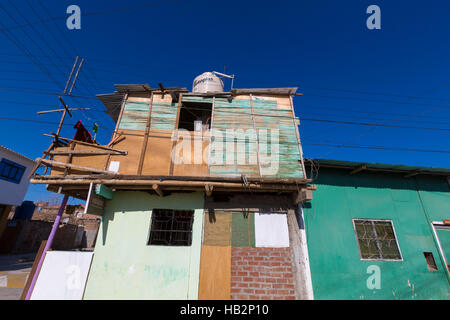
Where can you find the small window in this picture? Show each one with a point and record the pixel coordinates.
(376, 240)
(11, 171)
(430, 261)
(171, 227)
(195, 116)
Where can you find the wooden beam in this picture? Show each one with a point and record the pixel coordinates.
(117, 182)
(36, 166)
(356, 170)
(85, 143)
(116, 139)
(209, 189)
(73, 166)
(65, 106)
(61, 110)
(284, 181)
(158, 190)
(85, 152)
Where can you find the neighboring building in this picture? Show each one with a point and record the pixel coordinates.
(197, 192)
(379, 231)
(14, 181)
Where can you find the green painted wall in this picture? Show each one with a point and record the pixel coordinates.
(125, 267)
(336, 268)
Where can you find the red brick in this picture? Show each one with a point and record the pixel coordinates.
(282, 292)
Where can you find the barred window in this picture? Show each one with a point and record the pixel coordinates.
(171, 227)
(376, 239)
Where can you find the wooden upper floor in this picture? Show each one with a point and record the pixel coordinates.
(241, 135)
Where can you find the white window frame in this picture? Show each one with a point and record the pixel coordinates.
(395, 235)
(441, 225)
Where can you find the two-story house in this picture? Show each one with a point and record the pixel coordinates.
(198, 193)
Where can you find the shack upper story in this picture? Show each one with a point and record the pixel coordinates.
(243, 135)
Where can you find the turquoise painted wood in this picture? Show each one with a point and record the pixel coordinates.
(411, 204)
(197, 99)
(164, 116)
(279, 159)
(104, 191)
(125, 267)
(134, 115)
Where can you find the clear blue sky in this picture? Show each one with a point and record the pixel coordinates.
(346, 72)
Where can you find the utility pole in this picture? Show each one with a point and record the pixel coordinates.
(55, 143)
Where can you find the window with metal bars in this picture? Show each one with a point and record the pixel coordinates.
(171, 227)
(376, 239)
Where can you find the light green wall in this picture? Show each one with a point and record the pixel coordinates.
(125, 267)
(336, 268)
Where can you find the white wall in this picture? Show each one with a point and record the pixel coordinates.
(12, 193)
(63, 276)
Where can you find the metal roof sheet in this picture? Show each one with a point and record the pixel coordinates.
(380, 166)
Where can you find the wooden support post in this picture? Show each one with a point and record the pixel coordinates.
(297, 133)
(76, 76)
(158, 190)
(209, 189)
(177, 124)
(145, 142)
(359, 169)
(33, 270)
(257, 138)
(122, 107)
(72, 147)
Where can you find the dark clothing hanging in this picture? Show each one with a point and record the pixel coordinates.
(82, 134)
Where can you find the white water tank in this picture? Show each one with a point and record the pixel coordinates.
(207, 82)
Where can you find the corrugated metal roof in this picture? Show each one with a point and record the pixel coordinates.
(380, 167)
(124, 88)
(15, 153)
(113, 103)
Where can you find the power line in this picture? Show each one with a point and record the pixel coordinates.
(374, 124)
(89, 14)
(378, 93)
(376, 147)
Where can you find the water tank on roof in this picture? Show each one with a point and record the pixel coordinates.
(207, 82)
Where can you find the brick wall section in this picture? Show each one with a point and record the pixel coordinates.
(262, 273)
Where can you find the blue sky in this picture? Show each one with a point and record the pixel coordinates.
(397, 75)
